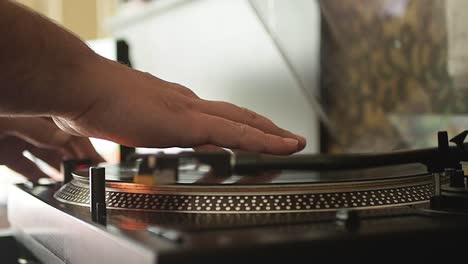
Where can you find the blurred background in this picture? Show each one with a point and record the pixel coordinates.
(351, 76)
(85, 17)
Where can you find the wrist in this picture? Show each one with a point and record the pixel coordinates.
(78, 86)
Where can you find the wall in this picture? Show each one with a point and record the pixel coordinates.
(83, 17)
(80, 17)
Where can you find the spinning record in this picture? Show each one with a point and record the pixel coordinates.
(196, 190)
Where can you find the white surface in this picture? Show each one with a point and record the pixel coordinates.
(219, 49)
(106, 47)
(295, 26)
(69, 238)
(7, 178)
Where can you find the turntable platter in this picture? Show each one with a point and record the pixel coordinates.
(269, 192)
(201, 176)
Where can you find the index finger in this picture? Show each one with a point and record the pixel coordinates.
(245, 116)
(229, 134)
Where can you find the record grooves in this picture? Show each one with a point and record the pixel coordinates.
(324, 194)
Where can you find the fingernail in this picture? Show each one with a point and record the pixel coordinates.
(292, 142)
(301, 138)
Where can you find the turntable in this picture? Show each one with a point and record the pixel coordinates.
(223, 207)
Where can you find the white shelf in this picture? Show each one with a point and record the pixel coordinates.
(130, 14)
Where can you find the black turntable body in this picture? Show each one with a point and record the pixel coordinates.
(219, 207)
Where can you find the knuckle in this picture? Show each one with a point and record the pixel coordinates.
(242, 134)
(243, 130)
(189, 104)
(266, 143)
(183, 90)
(198, 135)
(186, 90)
(251, 115)
(177, 105)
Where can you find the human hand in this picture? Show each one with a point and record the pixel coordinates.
(96, 97)
(43, 139)
(137, 109)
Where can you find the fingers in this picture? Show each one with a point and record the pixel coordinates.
(83, 149)
(237, 114)
(11, 155)
(25, 167)
(41, 133)
(246, 116)
(225, 133)
(51, 157)
(209, 148)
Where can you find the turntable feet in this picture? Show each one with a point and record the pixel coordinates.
(348, 219)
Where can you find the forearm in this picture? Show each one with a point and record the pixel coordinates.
(39, 61)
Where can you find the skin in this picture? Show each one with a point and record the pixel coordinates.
(43, 139)
(48, 73)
